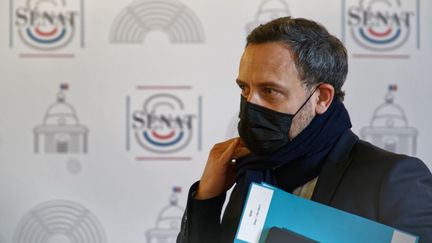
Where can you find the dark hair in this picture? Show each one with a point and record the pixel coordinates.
(318, 55)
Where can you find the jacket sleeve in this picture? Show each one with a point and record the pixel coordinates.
(201, 220)
(406, 198)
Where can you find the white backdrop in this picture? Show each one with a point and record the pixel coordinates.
(81, 159)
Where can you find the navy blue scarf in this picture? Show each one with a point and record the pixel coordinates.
(300, 160)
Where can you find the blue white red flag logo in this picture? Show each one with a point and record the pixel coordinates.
(381, 26)
(46, 26)
(164, 124)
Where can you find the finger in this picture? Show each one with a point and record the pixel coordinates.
(227, 154)
(240, 152)
(241, 143)
(229, 141)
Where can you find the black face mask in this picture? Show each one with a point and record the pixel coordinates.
(264, 130)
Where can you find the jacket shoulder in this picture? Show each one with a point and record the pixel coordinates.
(393, 189)
(367, 153)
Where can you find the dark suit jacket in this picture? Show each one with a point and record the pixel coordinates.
(357, 177)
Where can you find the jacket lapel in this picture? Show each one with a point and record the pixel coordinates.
(334, 168)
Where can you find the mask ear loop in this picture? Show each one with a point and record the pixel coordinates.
(310, 96)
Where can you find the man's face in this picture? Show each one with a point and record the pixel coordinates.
(268, 77)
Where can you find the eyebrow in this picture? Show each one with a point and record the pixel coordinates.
(263, 84)
(238, 81)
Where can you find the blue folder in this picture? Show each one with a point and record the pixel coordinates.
(268, 207)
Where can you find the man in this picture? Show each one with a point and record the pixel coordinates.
(295, 134)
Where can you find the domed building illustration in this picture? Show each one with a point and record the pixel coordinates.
(389, 128)
(60, 132)
(268, 10)
(168, 222)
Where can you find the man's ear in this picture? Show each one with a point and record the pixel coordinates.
(325, 97)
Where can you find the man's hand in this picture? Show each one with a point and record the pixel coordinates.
(219, 173)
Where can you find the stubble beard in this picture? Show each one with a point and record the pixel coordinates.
(301, 120)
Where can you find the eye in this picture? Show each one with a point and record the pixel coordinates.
(268, 91)
(244, 89)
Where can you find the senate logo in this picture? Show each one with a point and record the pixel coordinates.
(41, 28)
(381, 28)
(163, 124)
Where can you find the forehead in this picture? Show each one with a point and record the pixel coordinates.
(272, 57)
